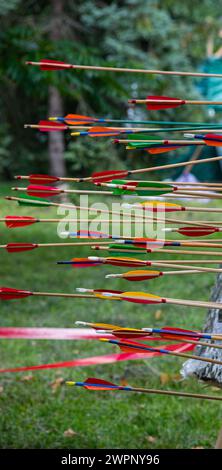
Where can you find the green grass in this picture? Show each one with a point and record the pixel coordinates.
(34, 415)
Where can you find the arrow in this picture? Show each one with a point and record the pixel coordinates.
(76, 119)
(134, 346)
(98, 384)
(147, 298)
(153, 189)
(113, 248)
(166, 332)
(12, 221)
(214, 140)
(159, 206)
(178, 334)
(117, 249)
(51, 65)
(142, 275)
(164, 102)
(133, 262)
(34, 201)
(50, 191)
(103, 176)
(8, 293)
(194, 231)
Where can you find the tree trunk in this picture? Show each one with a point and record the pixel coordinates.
(55, 104)
(206, 371)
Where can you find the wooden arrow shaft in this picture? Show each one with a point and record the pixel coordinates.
(194, 303)
(128, 70)
(177, 394)
(174, 101)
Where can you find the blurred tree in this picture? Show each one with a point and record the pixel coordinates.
(56, 139)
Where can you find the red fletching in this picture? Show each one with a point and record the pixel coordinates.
(77, 119)
(12, 221)
(103, 132)
(42, 179)
(155, 105)
(163, 149)
(129, 333)
(18, 247)
(47, 64)
(48, 126)
(104, 176)
(191, 334)
(215, 140)
(197, 231)
(102, 384)
(42, 191)
(7, 293)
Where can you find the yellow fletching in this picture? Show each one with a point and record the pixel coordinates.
(159, 204)
(141, 295)
(141, 272)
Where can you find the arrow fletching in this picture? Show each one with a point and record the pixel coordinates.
(32, 201)
(197, 231)
(48, 65)
(123, 261)
(18, 247)
(49, 126)
(141, 275)
(40, 179)
(214, 140)
(97, 384)
(19, 221)
(157, 105)
(179, 333)
(42, 191)
(77, 119)
(141, 298)
(156, 206)
(103, 132)
(7, 293)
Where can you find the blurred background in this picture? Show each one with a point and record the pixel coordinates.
(165, 34)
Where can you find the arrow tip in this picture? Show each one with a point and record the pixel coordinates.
(104, 340)
(69, 382)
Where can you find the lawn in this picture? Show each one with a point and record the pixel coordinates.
(37, 409)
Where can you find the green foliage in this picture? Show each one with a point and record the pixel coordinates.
(85, 156)
(133, 33)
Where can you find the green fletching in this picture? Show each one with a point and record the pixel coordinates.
(153, 189)
(141, 145)
(33, 201)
